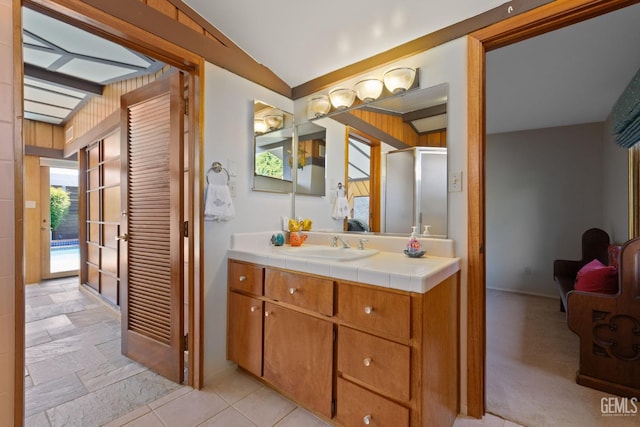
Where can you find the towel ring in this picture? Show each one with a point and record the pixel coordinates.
(217, 168)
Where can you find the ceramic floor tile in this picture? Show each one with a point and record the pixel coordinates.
(111, 402)
(70, 296)
(36, 338)
(300, 417)
(235, 385)
(37, 420)
(90, 316)
(229, 418)
(37, 313)
(101, 375)
(265, 407)
(148, 420)
(111, 350)
(191, 409)
(169, 397)
(52, 393)
(95, 334)
(127, 418)
(64, 364)
(50, 323)
(40, 301)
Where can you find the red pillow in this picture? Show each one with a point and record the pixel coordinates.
(597, 277)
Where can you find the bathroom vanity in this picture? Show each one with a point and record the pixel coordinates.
(367, 342)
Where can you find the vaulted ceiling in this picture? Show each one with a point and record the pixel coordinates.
(564, 77)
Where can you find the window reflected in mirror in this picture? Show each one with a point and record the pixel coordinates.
(273, 142)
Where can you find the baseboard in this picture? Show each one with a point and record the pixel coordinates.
(606, 386)
(514, 291)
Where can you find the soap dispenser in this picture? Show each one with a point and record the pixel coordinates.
(414, 249)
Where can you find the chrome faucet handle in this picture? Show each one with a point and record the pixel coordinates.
(361, 243)
(345, 244)
(333, 241)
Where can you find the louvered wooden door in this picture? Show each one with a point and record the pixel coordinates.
(151, 228)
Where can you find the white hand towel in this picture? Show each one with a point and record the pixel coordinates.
(218, 205)
(340, 208)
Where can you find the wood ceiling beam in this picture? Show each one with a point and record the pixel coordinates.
(64, 80)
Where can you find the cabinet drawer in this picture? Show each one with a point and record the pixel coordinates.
(357, 406)
(245, 277)
(382, 364)
(303, 291)
(376, 310)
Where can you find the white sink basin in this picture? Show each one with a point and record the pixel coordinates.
(328, 253)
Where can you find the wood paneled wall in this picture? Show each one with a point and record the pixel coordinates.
(100, 107)
(43, 135)
(33, 270)
(399, 130)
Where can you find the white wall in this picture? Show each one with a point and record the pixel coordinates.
(228, 135)
(544, 188)
(228, 138)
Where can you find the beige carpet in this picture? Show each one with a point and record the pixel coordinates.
(532, 358)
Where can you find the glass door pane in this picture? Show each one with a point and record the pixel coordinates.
(64, 252)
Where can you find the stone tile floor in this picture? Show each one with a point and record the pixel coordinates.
(76, 376)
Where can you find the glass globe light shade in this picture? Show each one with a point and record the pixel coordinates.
(319, 105)
(273, 121)
(342, 98)
(399, 79)
(259, 126)
(368, 90)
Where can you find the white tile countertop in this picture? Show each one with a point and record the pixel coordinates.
(389, 268)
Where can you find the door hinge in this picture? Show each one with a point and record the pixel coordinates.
(185, 346)
(185, 229)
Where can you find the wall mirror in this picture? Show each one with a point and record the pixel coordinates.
(311, 142)
(277, 147)
(273, 149)
(396, 163)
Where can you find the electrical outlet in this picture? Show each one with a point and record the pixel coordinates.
(232, 188)
(455, 181)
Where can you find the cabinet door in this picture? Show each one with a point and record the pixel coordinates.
(244, 332)
(298, 356)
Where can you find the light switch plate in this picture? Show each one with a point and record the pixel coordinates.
(455, 181)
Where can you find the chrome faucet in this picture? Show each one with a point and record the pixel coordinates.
(361, 243)
(334, 242)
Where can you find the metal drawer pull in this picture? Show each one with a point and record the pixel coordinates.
(254, 308)
(292, 291)
(368, 309)
(367, 420)
(266, 314)
(243, 278)
(367, 361)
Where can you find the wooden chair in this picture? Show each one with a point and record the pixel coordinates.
(609, 330)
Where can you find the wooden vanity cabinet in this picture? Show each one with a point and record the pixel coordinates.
(353, 353)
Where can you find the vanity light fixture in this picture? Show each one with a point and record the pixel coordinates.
(259, 126)
(398, 80)
(273, 121)
(369, 89)
(318, 106)
(342, 98)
